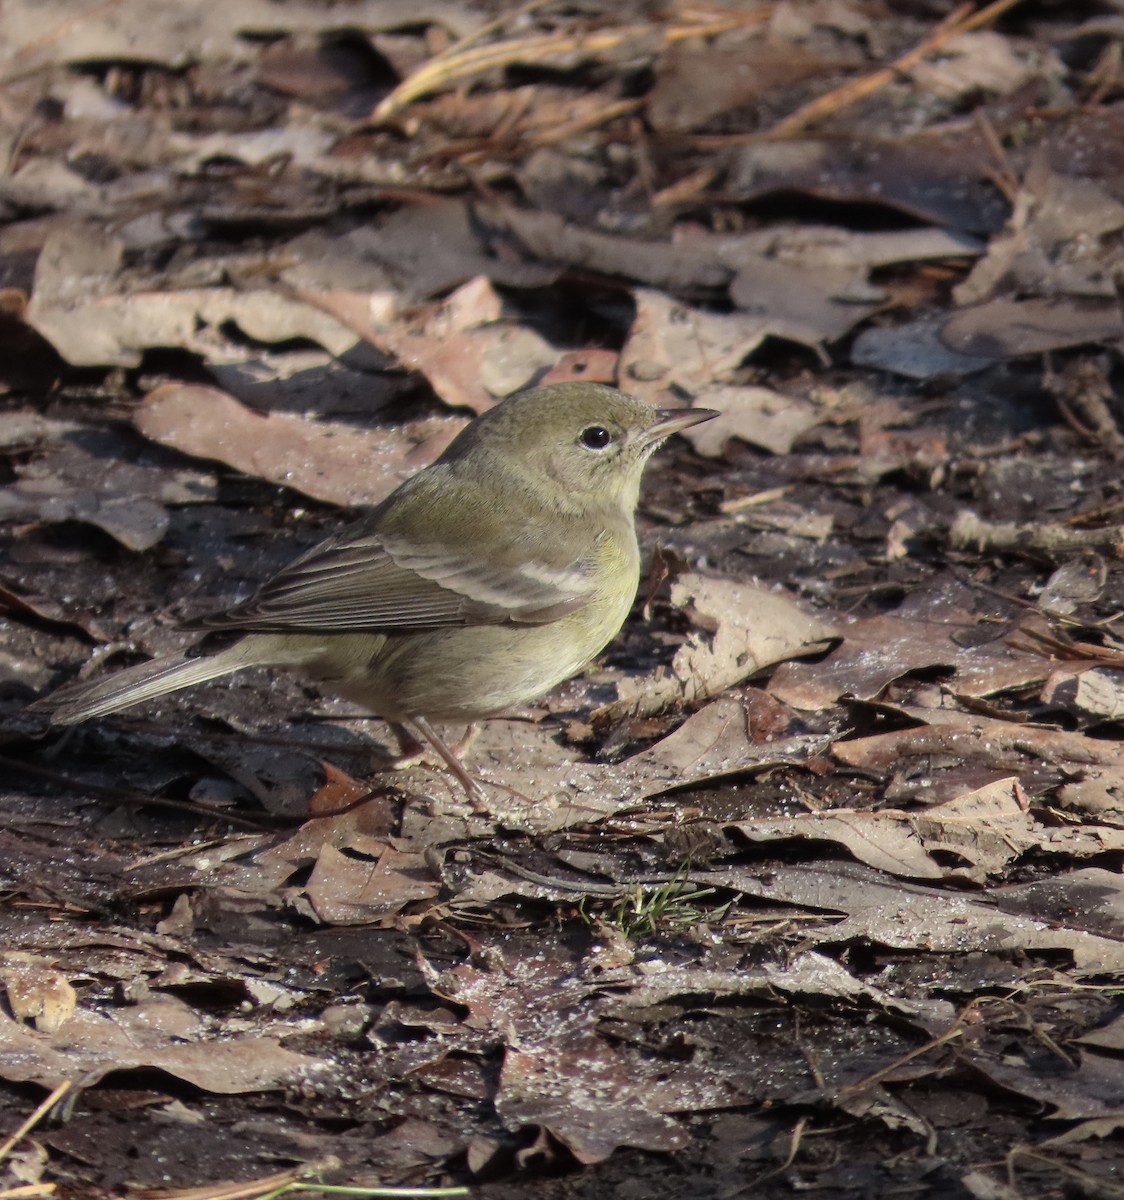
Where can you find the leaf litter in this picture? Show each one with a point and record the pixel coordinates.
(813, 880)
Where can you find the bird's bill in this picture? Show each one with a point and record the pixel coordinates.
(672, 420)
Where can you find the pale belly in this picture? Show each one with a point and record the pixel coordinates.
(464, 674)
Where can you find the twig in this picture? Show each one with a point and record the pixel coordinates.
(35, 1118)
(1052, 540)
(249, 1190)
(601, 116)
(961, 20)
(1083, 392)
(853, 1089)
(1004, 175)
(1069, 651)
(685, 190)
(134, 798)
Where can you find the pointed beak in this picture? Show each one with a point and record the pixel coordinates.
(673, 420)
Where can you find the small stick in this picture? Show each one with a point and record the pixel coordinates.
(961, 20)
(1051, 540)
(35, 1117)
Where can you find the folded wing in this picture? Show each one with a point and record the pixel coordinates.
(387, 583)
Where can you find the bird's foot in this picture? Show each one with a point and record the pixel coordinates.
(413, 751)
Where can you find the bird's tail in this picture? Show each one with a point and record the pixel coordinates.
(146, 681)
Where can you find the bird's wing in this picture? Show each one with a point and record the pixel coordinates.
(382, 582)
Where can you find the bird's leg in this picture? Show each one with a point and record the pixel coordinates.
(468, 739)
(472, 789)
(411, 749)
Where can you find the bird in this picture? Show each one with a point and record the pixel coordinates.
(481, 582)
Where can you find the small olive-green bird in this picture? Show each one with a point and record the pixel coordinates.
(479, 584)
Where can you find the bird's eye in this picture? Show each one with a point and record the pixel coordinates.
(596, 437)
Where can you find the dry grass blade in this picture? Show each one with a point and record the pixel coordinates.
(794, 1143)
(464, 64)
(253, 1190)
(1088, 1185)
(288, 1183)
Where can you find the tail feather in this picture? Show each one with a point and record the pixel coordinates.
(146, 681)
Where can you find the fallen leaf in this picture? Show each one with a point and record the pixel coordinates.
(914, 349)
(859, 902)
(88, 477)
(160, 1034)
(747, 629)
(984, 60)
(1089, 898)
(354, 889)
(1005, 328)
(37, 32)
(590, 366)
(876, 651)
(37, 991)
(470, 357)
(756, 415)
(336, 463)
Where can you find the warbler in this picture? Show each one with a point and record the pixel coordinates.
(480, 583)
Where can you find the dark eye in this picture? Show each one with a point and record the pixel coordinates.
(596, 437)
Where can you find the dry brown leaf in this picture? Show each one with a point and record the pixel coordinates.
(973, 836)
(336, 463)
(982, 61)
(89, 478)
(1098, 792)
(346, 889)
(589, 366)
(559, 1072)
(82, 304)
(808, 305)
(37, 991)
(858, 902)
(673, 348)
(162, 1034)
(556, 788)
(1095, 691)
(876, 651)
(312, 382)
(1054, 243)
(1090, 898)
(470, 357)
(744, 629)
(699, 263)
(36, 32)
(913, 349)
(757, 415)
(963, 734)
(956, 739)
(697, 80)
(117, 329)
(1007, 328)
(595, 1097)
(886, 841)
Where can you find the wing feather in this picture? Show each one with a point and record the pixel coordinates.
(387, 583)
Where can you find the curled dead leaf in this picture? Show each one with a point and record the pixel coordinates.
(741, 629)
